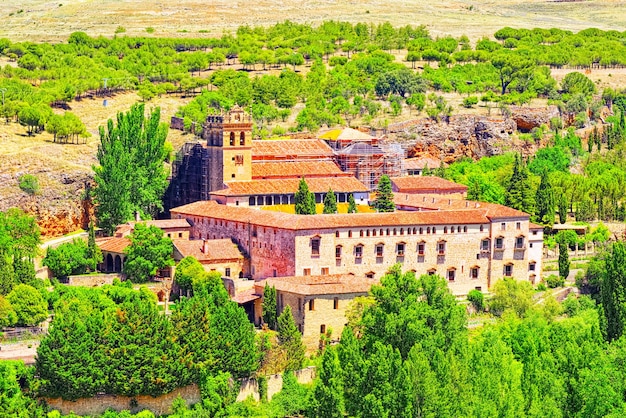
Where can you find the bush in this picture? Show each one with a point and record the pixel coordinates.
(470, 101)
(29, 184)
(477, 299)
(553, 281)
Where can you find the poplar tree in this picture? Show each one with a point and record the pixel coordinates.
(269, 306)
(518, 193)
(545, 201)
(384, 195)
(304, 199)
(351, 204)
(131, 176)
(290, 339)
(328, 393)
(330, 202)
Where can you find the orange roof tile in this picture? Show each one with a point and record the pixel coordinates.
(290, 149)
(346, 134)
(290, 186)
(113, 244)
(417, 184)
(421, 162)
(244, 296)
(164, 223)
(335, 284)
(296, 169)
(433, 202)
(217, 249)
(534, 226)
(279, 220)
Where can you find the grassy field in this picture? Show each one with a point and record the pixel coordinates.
(54, 21)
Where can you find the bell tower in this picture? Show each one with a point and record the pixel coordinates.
(229, 143)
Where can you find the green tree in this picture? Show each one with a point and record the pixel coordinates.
(290, 340)
(565, 239)
(270, 315)
(511, 68)
(545, 201)
(68, 258)
(8, 316)
(351, 204)
(613, 291)
(330, 202)
(131, 176)
(384, 195)
(304, 199)
(148, 252)
(188, 271)
(94, 255)
(509, 293)
(327, 400)
(519, 191)
(29, 306)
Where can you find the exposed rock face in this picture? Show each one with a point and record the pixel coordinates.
(528, 118)
(463, 136)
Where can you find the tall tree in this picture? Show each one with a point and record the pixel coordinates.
(328, 393)
(330, 202)
(269, 306)
(148, 252)
(519, 192)
(545, 201)
(351, 204)
(94, 255)
(290, 339)
(304, 199)
(565, 239)
(613, 291)
(384, 195)
(131, 176)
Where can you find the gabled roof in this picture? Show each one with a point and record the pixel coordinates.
(279, 220)
(335, 284)
(445, 203)
(281, 149)
(421, 162)
(163, 223)
(295, 169)
(218, 250)
(113, 244)
(347, 184)
(417, 184)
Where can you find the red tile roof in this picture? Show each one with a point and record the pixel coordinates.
(335, 284)
(244, 296)
(296, 169)
(290, 149)
(534, 226)
(290, 186)
(421, 162)
(113, 244)
(432, 202)
(211, 209)
(426, 184)
(164, 223)
(218, 250)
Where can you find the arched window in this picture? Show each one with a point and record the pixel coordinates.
(232, 139)
(242, 138)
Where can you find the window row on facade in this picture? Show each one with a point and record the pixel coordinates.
(401, 231)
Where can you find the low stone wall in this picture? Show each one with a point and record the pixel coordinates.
(97, 405)
(93, 280)
(250, 387)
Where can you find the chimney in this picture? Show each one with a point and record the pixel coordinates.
(205, 246)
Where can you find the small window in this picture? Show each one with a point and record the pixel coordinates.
(474, 273)
(361, 233)
(519, 242)
(232, 139)
(370, 275)
(358, 251)
(350, 234)
(464, 229)
(242, 138)
(428, 230)
(275, 272)
(421, 231)
(373, 232)
(499, 243)
(445, 230)
(312, 305)
(315, 246)
(482, 228)
(227, 272)
(306, 272)
(508, 270)
(323, 329)
(336, 234)
(324, 271)
(434, 230)
(239, 159)
(503, 226)
(518, 225)
(432, 272)
(338, 251)
(336, 303)
(400, 250)
(420, 248)
(379, 250)
(532, 266)
(534, 232)
(441, 247)
(451, 230)
(180, 235)
(484, 245)
(451, 275)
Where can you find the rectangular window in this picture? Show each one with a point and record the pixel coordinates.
(499, 243)
(519, 242)
(400, 250)
(503, 226)
(322, 329)
(307, 272)
(336, 303)
(441, 248)
(239, 159)
(379, 250)
(227, 272)
(508, 270)
(451, 275)
(324, 271)
(315, 247)
(358, 251)
(484, 245)
(518, 225)
(420, 248)
(338, 251)
(532, 266)
(312, 305)
(474, 273)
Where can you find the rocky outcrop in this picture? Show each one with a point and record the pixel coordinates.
(528, 118)
(462, 136)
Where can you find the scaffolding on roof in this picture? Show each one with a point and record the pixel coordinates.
(369, 162)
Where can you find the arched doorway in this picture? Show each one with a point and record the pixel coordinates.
(109, 263)
(118, 264)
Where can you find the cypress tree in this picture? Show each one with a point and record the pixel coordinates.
(384, 195)
(518, 194)
(290, 339)
(351, 204)
(304, 199)
(93, 251)
(328, 393)
(330, 202)
(269, 306)
(545, 201)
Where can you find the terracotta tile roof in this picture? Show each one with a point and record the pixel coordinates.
(164, 223)
(445, 203)
(290, 186)
(217, 250)
(244, 296)
(296, 169)
(290, 149)
(421, 162)
(346, 134)
(424, 184)
(534, 226)
(279, 220)
(113, 244)
(335, 284)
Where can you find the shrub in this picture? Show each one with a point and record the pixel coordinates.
(29, 184)
(470, 101)
(150, 29)
(553, 281)
(477, 299)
